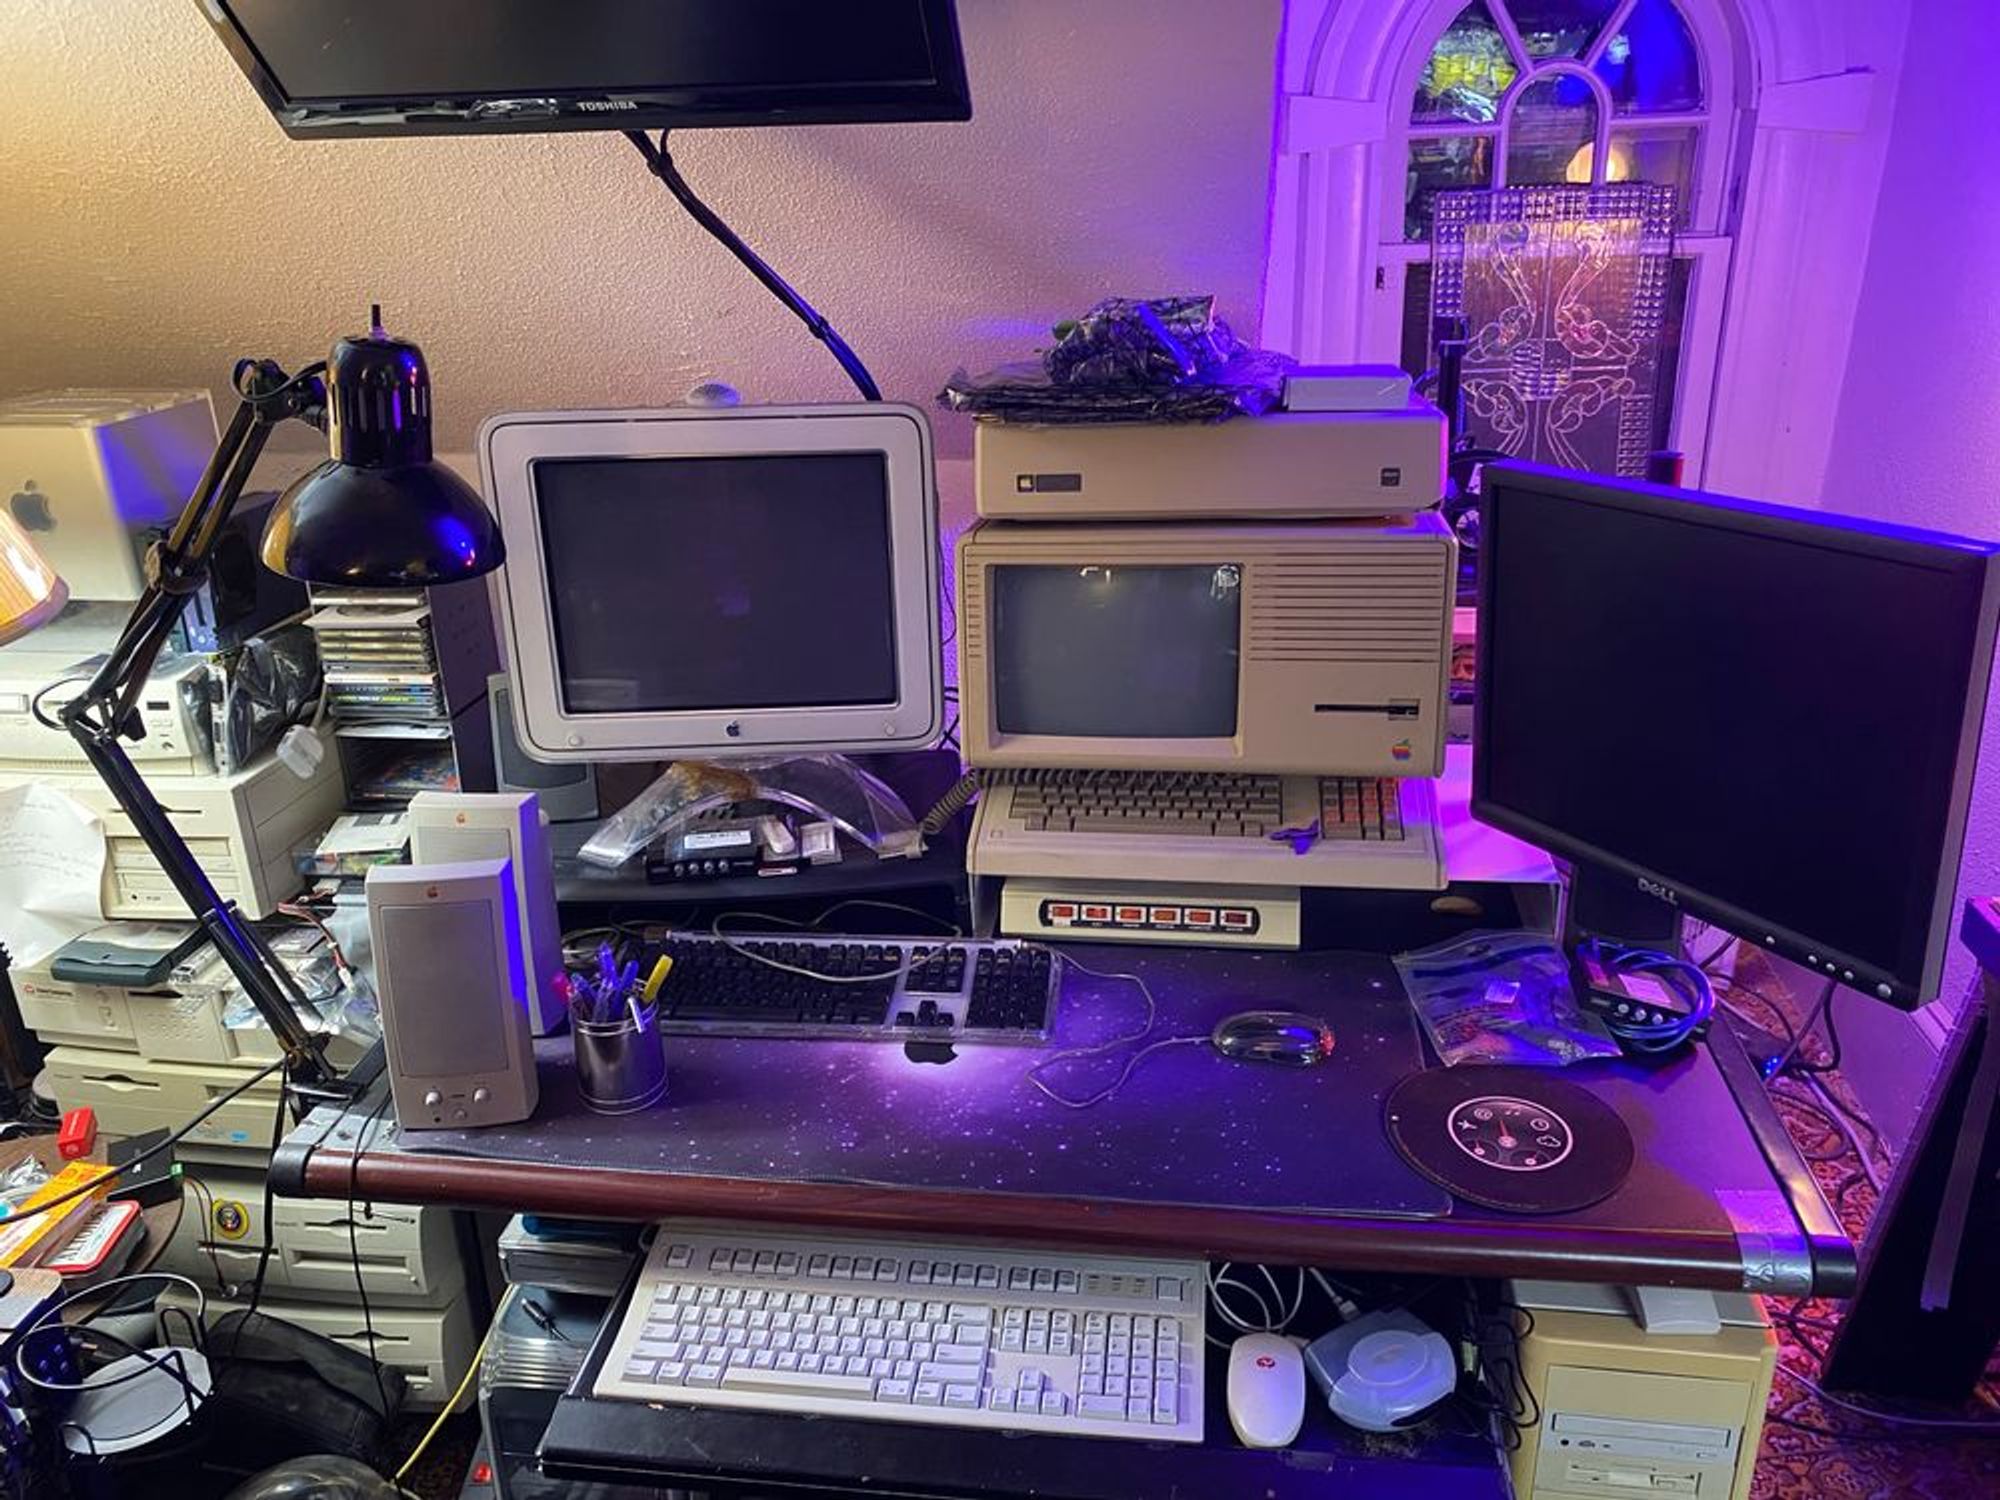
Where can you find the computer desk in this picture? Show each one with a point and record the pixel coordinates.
(1719, 1197)
(789, 1132)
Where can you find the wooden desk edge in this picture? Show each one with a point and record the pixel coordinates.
(1460, 1246)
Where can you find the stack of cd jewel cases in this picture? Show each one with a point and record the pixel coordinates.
(380, 661)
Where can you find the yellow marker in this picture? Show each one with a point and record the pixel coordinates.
(654, 980)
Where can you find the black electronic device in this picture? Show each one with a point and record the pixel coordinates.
(1764, 717)
(239, 598)
(1511, 1138)
(154, 1180)
(1633, 997)
(856, 988)
(567, 793)
(386, 67)
(98, 958)
(662, 869)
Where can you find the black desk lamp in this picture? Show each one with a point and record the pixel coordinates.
(380, 512)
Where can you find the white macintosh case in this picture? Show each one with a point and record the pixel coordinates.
(84, 471)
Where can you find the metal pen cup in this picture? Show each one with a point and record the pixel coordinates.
(621, 1063)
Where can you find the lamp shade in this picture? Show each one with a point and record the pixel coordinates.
(30, 591)
(381, 512)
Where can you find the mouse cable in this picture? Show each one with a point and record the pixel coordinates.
(660, 162)
(1098, 1049)
(1974, 1426)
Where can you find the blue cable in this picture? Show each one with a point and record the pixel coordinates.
(1685, 978)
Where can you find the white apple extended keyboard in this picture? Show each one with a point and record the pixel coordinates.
(909, 1330)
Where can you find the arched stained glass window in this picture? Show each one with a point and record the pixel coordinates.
(1521, 92)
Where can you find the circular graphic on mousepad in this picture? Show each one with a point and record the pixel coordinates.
(1511, 1138)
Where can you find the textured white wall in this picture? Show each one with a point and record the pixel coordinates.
(159, 224)
(1918, 436)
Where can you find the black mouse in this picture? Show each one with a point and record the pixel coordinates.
(1274, 1036)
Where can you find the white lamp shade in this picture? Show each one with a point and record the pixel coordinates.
(30, 592)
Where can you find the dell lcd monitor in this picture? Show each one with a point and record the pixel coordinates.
(1763, 717)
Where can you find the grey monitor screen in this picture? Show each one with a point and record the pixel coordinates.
(1107, 650)
(691, 584)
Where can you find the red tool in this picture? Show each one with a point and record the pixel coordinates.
(78, 1133)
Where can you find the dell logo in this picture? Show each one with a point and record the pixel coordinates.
(1660, 892)
(603, 104)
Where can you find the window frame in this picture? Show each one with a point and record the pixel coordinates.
(1814, 85)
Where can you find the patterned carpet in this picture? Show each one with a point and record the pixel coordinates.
(1814, 1449)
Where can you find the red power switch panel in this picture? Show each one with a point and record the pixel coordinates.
(78, 1133)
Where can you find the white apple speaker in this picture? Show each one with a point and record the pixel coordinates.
(451, 827)
(454, 1003)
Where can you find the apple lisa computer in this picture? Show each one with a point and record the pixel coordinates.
(718, 582)
(1182, 724)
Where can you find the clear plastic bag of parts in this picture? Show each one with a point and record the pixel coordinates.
(829, 787)
(339, 1000)
(1128, 359)
(258, 690)
(1501, 997)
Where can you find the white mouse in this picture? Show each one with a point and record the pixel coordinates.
(1267, 1390)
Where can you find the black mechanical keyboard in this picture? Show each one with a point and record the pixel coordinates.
(858, 989)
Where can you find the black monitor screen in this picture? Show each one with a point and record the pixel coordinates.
(1116, 651)
(1759, 708)
(719, 583)
(707, 55)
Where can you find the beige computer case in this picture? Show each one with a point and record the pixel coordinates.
(243, 830)
(1346, 641)
(82, 471)
(1285, 466)
(1624, 1413)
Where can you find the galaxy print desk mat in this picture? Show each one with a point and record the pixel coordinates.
(1189, 1127)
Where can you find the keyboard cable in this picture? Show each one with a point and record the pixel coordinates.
(729, 940)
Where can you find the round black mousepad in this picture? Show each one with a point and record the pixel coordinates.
(1512, 1138)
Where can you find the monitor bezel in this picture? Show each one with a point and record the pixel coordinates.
(946, 97)
(512, 444)
(1269, 685)
(1937, 550)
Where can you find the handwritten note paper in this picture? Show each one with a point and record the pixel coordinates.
(51, 871)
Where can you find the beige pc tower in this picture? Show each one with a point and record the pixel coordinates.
(1625, 1413)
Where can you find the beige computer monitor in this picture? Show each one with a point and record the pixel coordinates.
(1303, 648)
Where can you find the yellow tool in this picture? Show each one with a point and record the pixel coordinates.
(654, 980)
